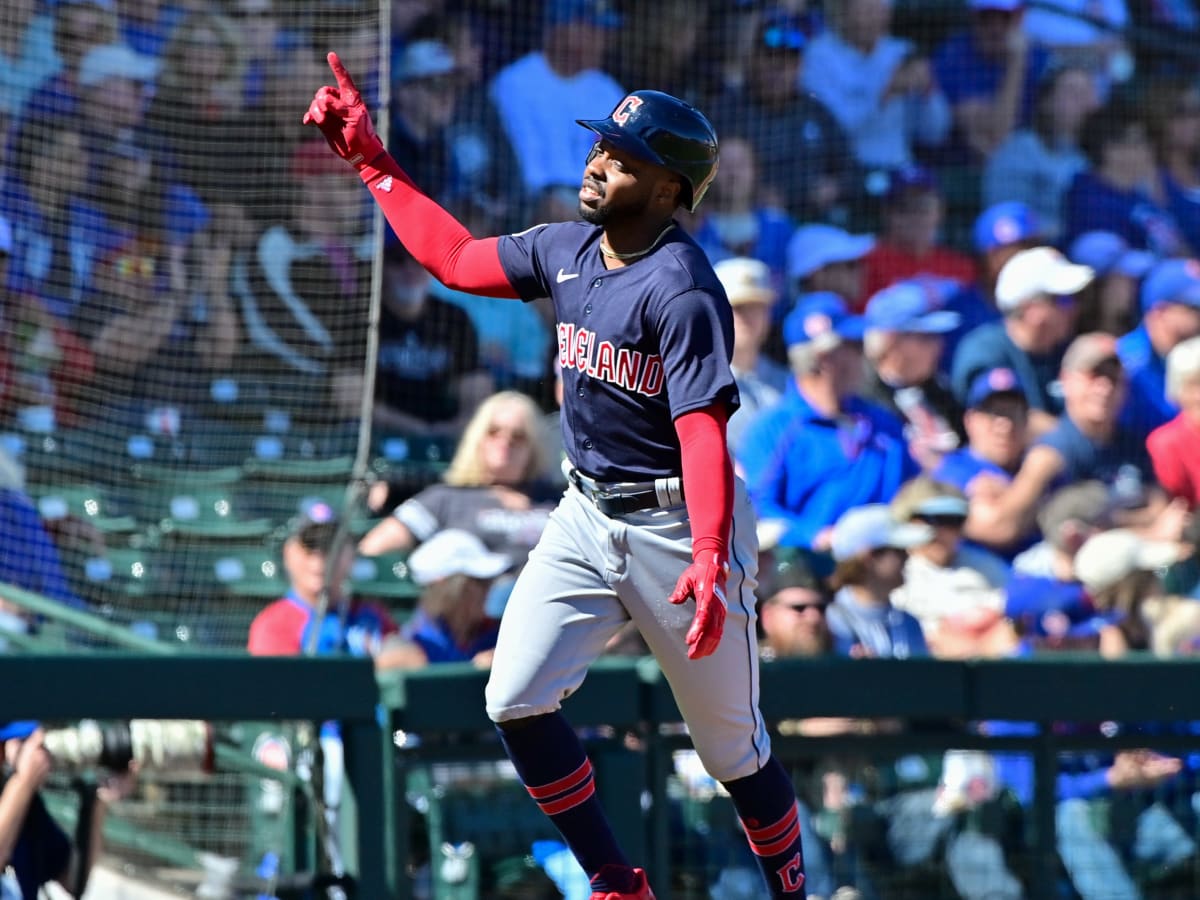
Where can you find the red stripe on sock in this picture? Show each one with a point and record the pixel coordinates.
(570, 801)
(770, 832)
(571, 781)
(772, 849)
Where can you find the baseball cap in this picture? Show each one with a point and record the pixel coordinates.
(912, 307)
(1089, 503)
(1047, 607)
(870, 527)
(990, 383)
(22, 728)
(1005, 223)
(316, 527)
(1033, 273)
(779, 30)
(454, 551)
(116, 61)
(1107, 252)
(1107, 557)
(909, 179)
(813, 247)
(592, 12)
(745, 280)
(1004, 5)
(6, 240)
(821, 318)
(1088, 351)
(425, 59)
(1172, 281)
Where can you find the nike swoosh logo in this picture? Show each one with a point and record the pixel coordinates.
(565, 276)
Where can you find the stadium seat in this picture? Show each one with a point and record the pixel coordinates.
(88, 502)
(385, 577)
(249, 573)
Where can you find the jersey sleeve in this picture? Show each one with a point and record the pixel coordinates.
(521, 258)
(424, 514)
(696, 343)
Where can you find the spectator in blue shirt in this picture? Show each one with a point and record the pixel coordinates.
(1122, 190)
(989, 73)
(1170, 299)
(822, 450)
(1034, 292)
(995, 422)
(870, 548)
(1086, 444)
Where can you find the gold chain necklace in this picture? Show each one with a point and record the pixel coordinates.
(625, 257)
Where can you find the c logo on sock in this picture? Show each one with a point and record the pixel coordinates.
(791, 874)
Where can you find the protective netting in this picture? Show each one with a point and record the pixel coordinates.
(189, 275)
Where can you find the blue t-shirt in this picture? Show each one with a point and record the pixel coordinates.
(964, 74)
(806, 470)
(960, 467)
(973, 310)
(1116, 462)
(887, 632)
(1092, 204)
(28, 557)
(434, 637)
(990, 347)
(1147, 405)
(639, 346)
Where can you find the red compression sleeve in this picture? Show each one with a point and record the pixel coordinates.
(436, 239)
(709, 500)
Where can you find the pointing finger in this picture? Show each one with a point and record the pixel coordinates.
(345, 83)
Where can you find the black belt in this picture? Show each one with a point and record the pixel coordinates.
(614, 500)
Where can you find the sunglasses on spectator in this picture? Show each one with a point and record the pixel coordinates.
(819, 605)
(782, 37)
(941, 521)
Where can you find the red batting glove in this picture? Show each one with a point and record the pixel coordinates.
(704, 579)
(343, 118)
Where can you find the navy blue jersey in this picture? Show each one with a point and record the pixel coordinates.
(639, 345)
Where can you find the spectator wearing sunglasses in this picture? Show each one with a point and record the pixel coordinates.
(945, 576)
(870, 549)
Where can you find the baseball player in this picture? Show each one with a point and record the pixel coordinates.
(653, 526)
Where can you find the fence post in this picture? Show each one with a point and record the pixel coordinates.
(367, 767)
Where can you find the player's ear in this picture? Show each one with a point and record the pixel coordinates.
(669, 191)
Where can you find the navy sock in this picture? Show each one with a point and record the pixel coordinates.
(552, 764)
(766, 804)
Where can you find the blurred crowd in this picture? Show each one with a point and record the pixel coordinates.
(960, 240)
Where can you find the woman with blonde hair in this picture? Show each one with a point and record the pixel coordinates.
(496, 486)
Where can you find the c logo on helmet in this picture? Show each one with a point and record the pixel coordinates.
(625, 108)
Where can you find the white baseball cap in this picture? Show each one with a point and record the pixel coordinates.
(1038, 271)
(745, 280)
(1107, 557)
(870, 527)
(455, 552)
(116, 61)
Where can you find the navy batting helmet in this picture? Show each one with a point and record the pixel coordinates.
(660, 128)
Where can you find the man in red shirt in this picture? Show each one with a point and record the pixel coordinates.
(1173, 446)
(913, 210)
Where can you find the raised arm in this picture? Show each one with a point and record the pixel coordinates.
(434, 237)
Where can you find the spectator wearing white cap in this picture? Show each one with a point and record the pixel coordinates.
(822, 449)
(1121, 571)
(451, 623)
(760, 380)
(989, 72)
(1175, 446)
(944, 576)
(870, 549)
(906, 327)
(1085, 445)
(1034, 292)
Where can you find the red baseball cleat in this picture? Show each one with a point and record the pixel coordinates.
(641, 890)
